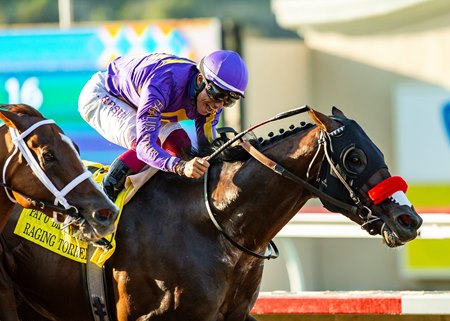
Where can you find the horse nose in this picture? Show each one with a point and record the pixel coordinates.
(105, 215)
(409, 221)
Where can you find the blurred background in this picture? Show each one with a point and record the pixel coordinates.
(383, 62)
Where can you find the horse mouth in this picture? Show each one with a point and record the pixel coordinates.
(86, 232)
(390, 237)
(91, 231)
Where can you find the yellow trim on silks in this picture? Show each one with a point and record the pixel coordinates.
(38, 228)
(176, 61)
(207, 127)
(180, 114)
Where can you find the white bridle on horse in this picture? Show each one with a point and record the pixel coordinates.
(20, 144)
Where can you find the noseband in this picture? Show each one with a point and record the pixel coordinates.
(20, 145)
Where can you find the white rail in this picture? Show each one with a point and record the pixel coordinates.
(328, 225)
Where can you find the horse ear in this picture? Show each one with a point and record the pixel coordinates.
(337, 112)
(323, 121)
(10, 119)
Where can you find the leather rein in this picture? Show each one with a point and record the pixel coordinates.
(356, 210)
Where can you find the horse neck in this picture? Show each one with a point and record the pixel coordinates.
(255, 202)
(6, 208)
(4, 150)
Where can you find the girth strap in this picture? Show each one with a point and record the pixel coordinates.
(95, 289)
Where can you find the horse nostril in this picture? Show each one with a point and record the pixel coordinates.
(408, 221)
(103, 215)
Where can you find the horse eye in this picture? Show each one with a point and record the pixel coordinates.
(48, 156)
(355, 160)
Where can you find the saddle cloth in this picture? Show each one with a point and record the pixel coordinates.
(38, 228)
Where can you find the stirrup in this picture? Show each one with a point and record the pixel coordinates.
(114, 181)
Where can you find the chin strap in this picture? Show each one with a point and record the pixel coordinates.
(197, 89)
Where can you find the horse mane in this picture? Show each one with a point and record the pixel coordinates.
(236, 153)
(22, 109)
(283, 134)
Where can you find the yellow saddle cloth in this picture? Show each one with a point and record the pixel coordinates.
(38, 228)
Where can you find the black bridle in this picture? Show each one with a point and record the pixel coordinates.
(354, 209)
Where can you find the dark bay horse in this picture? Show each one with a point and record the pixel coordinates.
(172, 263)
(41, 169)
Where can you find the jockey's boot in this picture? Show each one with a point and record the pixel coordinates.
(114, 180)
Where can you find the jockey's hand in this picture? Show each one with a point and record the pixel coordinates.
(195, 168)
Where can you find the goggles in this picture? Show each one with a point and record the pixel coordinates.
(217, 94)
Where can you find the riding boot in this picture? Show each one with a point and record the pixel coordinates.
(114, 180)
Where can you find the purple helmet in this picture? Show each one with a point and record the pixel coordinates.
(225, 69)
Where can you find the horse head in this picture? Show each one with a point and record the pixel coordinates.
(42, 169)
(333, 160)
(354, 172)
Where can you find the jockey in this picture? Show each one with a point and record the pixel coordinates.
(139, 100)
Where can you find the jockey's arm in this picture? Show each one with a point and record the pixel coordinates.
(148, 124)
(206, 130)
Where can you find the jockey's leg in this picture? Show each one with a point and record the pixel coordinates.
(177, 142)
(126, 164)
(116, 121)
(174, 140)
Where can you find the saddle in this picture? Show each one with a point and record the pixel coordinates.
(132, 183)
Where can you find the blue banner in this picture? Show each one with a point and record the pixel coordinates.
(47, 67)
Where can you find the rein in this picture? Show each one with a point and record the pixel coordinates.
(355, 210)
(280, 170)
(279, 116)
(271, 247)
(20, 145)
